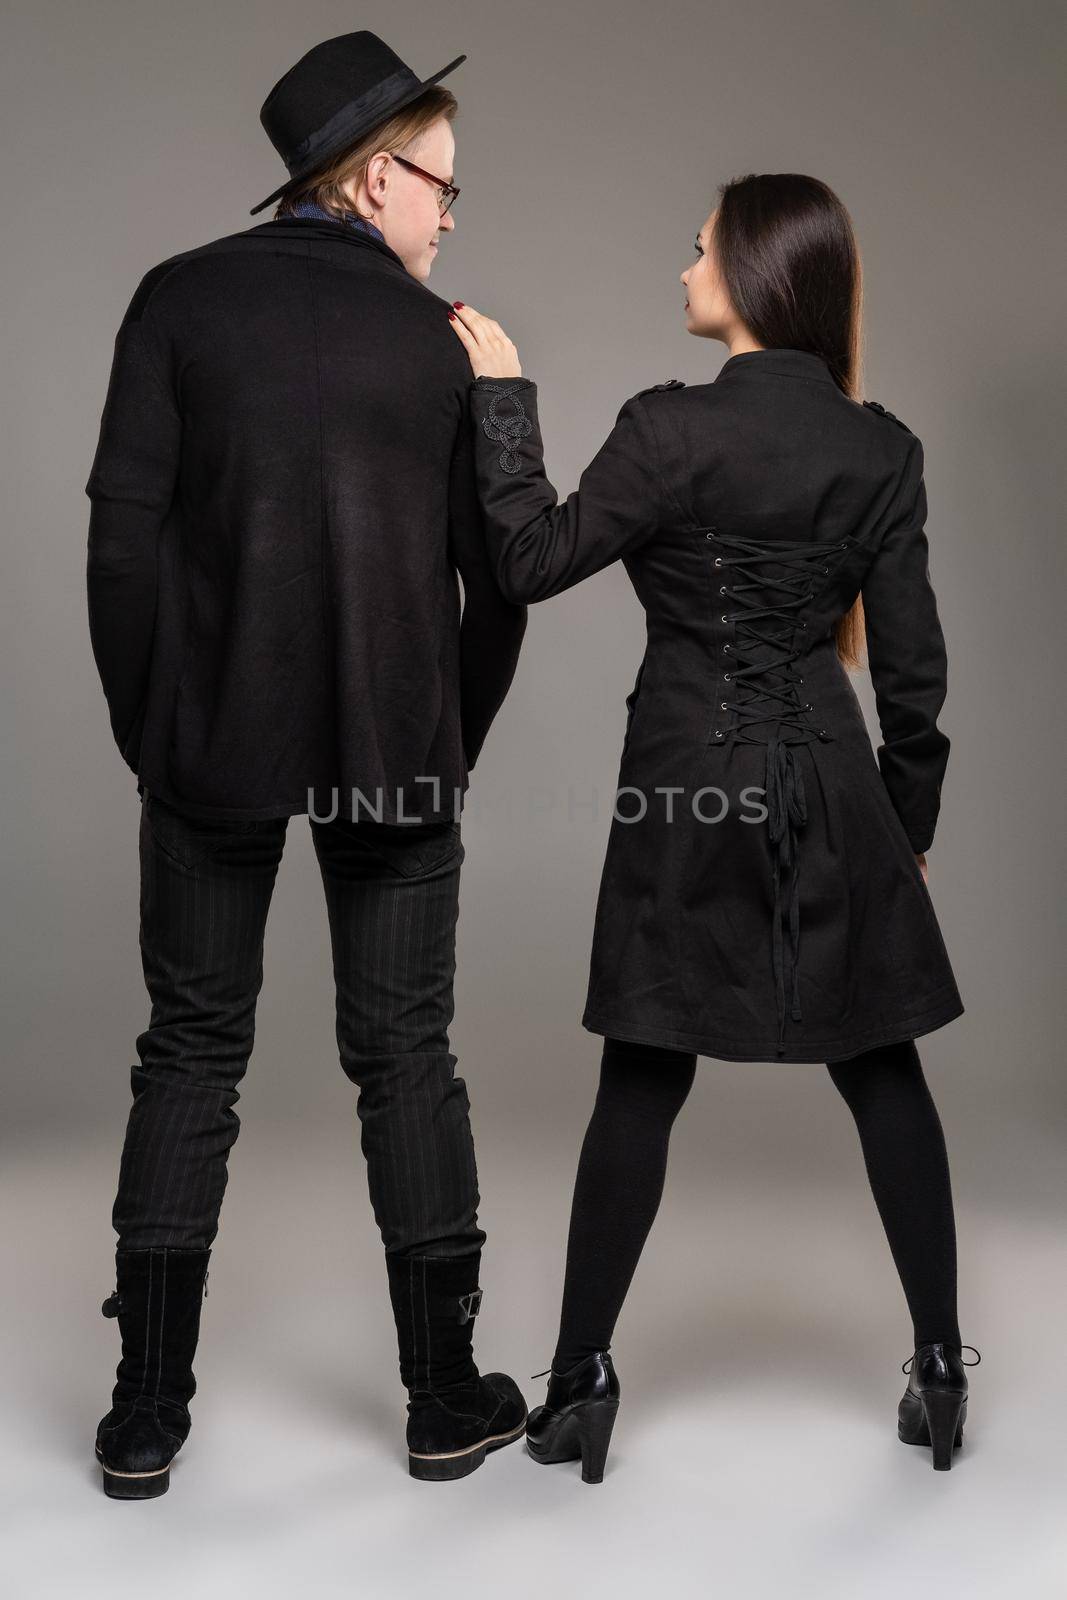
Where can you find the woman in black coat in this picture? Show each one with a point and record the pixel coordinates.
(764, 894)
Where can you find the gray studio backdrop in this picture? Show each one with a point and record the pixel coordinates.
(590, 141)
(589, 144)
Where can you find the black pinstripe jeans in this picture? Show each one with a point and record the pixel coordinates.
(392, 896)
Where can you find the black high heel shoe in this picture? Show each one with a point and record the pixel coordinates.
(933, 1408)
(577, 1417)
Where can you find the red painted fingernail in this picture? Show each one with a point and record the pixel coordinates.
(458, 304)
(451, 316)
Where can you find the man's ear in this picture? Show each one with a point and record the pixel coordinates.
(377, 169)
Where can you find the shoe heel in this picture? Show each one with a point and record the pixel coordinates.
(594, 1422)
(942, 1412)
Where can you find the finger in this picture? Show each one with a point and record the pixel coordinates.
(473, 326)
(473, 319)
(488, 346)
(492, 335)
(462, 332)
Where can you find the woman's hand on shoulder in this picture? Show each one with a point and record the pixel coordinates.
(491, 352)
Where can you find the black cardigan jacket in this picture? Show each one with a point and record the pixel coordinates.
(282, 494)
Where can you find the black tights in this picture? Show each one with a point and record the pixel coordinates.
(623, 1164)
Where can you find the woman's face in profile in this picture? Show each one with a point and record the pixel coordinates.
(708, 312)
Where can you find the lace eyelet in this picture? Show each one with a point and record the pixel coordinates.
(717, 562)
(723, 706)
(726, 677)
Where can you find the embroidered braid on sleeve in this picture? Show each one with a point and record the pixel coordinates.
(506, 429)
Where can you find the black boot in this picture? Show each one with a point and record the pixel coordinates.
(157, 1301)
(933, 1408)
(455, 1415)
(577, 1417)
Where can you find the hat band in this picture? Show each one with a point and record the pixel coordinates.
(355, 117)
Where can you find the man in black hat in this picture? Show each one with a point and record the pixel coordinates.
(282, 495)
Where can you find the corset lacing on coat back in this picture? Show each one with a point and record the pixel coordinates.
(767, 703)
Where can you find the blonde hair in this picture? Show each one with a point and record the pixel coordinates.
(327, 186)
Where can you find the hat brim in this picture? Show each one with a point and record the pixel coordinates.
(357, 131)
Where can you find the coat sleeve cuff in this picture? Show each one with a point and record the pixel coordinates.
(506, 384)
(920, 837)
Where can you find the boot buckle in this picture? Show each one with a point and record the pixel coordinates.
(470, 1305)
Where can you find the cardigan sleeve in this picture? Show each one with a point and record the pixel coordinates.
(131, 487)
(491, 627)
(908, 664)
(539, 546)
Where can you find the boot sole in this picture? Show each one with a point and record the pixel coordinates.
(134, 1485)
(451, 1464)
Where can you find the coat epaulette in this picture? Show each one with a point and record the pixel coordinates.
(671, 383)
(872, 405)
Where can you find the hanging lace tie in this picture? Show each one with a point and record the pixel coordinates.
(786, 812)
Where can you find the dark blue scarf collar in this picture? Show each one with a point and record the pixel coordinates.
(308, 208)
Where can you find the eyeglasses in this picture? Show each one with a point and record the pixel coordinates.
(446, 192)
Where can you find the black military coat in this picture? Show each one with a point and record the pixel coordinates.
(282, 495)
(760, 898)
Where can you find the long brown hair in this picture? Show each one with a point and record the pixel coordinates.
(327, 186)
(788, 256)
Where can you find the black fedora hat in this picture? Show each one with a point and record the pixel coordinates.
(337, 92)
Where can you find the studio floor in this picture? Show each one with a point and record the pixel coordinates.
(755, 1451)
